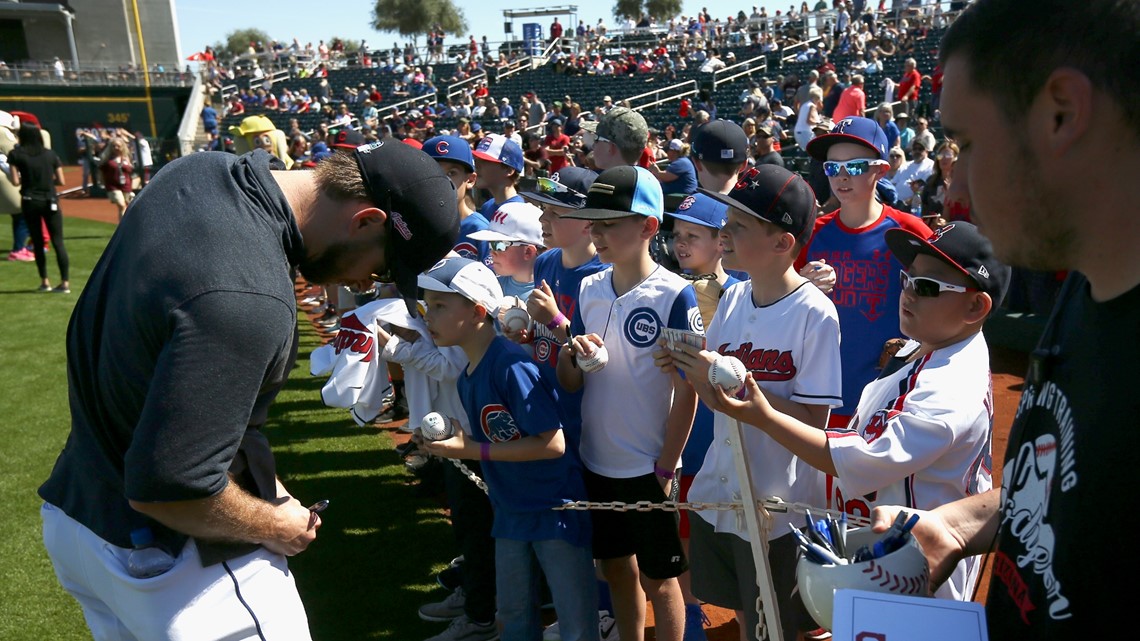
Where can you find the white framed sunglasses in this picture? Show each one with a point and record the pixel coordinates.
(930, 287)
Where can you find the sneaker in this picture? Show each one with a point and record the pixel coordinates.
(26, 255)
(607, 629)
(464, 629)
(43, 288)
(61, 289)
(450, 577)
(448, 609)
(695, 622)
(397, 411)
(14, 255)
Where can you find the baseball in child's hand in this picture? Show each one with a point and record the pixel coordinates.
(727, 373)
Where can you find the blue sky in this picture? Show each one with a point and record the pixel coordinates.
(203, 22)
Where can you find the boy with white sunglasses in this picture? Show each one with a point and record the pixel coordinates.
(852, 240)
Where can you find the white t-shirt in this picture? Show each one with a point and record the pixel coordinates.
(792, 349)
(915, 169)
(625, 405)
(920, 438)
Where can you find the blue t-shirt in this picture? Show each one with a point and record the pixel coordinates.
(701, 435)
(512, 287)
(489, 207)
(866, 293)
(686, 173)
(209, 117)
(507, 399)
(473, 249)
(564, 283)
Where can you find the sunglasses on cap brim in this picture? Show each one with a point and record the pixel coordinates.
(549, 186)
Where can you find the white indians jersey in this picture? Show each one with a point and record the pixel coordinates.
(792, 349)
(625, 405)
(920, 438)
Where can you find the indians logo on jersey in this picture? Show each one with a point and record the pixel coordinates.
(497, 424)
(765, 364)
(355, 336)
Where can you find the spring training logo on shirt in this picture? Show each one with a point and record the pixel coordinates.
(642, 327)
(497, 424)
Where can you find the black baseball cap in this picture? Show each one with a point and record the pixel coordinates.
(565, 188)
(775, 195)
(720, 141)
(423, 217)
(960, 245)
(623, 191)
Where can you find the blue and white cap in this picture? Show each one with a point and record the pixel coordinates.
(701, 210)
(622, 191)
(470, 279)
(451, 148)
(853, 129)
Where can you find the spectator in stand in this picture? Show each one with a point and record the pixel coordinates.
(896, 174)
(680, 175)
(832, 91)
(923, 134)
(918, 170)
(534, 156)
(884, 115)
(810, 114)
(906, 134)
(556, 145)
(555, 30)
(909, 85)
(936, 210)
(763, 148)
(506, 111)
(853, 102)
(803, 94)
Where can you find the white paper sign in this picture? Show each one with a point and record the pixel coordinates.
(875, 616)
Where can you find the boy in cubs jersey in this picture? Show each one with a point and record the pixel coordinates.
(786, 333)
(635, 418)
(921, 433)
(517, 436)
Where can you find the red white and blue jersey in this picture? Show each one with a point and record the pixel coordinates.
(866, 292)
(473, 249)
(625, 405)
(564, 283)
(506, 399)
(791, 346)
(920, 438)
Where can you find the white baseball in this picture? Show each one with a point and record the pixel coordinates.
(516, 319)
(727, 372)
(595, 361)
(435, 427)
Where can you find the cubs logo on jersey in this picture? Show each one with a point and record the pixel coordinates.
(467, 250)
(498, 425)
(642, 327)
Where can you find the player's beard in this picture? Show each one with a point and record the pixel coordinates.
(1048, 232)
(330, 265)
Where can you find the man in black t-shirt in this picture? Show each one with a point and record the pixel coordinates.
(1049, 156)
(180, 341)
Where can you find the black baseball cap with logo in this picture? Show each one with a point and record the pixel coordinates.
(960, 245)
(622, 191)
(775, 195)
(721, 141)
(347, 139)
(419, 199)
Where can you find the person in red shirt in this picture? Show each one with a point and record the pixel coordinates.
(852, 102)
(555, 30)
(556, 145)
(909, 85)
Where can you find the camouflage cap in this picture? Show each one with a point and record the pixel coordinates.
(622, 126)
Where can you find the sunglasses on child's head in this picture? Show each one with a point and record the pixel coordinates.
(856, 167)
(930, 287)
(548, 186)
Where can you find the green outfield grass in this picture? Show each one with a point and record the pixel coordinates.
(365, 576)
